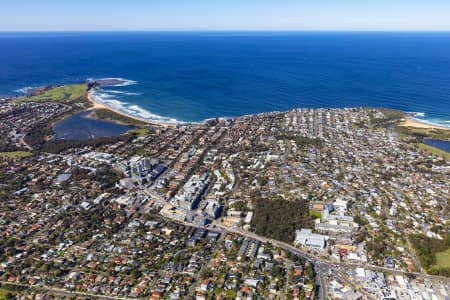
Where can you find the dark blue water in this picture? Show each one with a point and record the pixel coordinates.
(80, 127)
(441, 144)
(193, 76)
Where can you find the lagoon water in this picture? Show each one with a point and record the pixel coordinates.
(81, 127)
(441, 144)
(194, 76)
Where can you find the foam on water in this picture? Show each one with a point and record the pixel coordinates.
(113, 98)
(434, 121)
(123, 93)
(418, 114)
(24, 90)
(195, 76)
(123, 81)
(117, 100)
(422, 117)
(145, 114)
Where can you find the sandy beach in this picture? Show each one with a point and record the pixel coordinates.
(412, 122)
(98, 105)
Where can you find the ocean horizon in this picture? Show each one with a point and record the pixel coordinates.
(193, 76)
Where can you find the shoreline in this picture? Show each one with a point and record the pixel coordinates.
(98, 105)
(416, 123)
(408, 121)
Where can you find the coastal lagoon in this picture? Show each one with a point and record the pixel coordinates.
(193, 76)
(81, 127)
(441, 144)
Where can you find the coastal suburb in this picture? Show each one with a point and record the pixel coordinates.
(344, 203)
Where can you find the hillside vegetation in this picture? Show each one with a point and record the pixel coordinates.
(433, 253)
(278, 219)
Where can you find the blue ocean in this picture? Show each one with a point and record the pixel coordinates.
(193, 76)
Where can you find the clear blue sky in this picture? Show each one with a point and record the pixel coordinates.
(95, 15)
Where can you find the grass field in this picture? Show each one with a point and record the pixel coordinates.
(106, 114)
(434, 150)
(3, 293)
(15, 154)
(443, 134)
(443, 259)
(63, 94)
(316, 214)
(139, 131)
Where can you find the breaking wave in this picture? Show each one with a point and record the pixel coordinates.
(420, 116)
(417, 114)
(111, 99)
(24, 90)
(122, 93)
(118, 81)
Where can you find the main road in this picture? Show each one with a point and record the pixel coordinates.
(324, 266)
(314, 258)
(63, 292)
